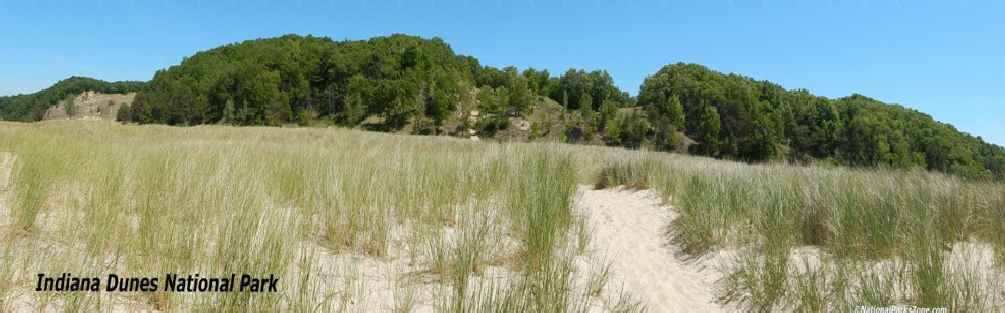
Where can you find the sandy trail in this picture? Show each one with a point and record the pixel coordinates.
(628, 230)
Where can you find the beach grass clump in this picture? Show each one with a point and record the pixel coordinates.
(808, 291)
(759, 281)
(631, 173)
(711, 208)
(39, 168)
(539, 201)
(550, 288)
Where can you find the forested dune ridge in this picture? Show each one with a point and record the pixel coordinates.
(410, 84)
(32, 107)
(738, 117)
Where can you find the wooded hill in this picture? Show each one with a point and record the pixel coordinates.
(406, 83)
(32, 107)
(737, 117)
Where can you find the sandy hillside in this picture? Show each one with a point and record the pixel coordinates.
(628, 231)
(91, 106)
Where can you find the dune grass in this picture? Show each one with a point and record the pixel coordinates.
(488, 223)
(862, 221)
(467, 227)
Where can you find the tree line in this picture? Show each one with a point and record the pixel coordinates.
(399, 81)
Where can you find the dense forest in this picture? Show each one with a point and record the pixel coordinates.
(737, 117)
(32, 107)
(401, 82)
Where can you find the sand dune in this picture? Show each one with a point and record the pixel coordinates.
(628, 231)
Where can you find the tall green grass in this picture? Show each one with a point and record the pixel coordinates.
(470, 227)
(303, 204)
(858, 219)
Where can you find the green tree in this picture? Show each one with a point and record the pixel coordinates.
(565, 99)
(675, 112)
(262, 91)
(667, 116)
(634, 129)
(586, 109)
(708, 131)
(608, 110)
(491, 103)
(441, 95)
(539, 82)
(612, 131)
(764, 138)
(598, 84)
(520, 97)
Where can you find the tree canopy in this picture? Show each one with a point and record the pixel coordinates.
(733, 116)
(291, 78)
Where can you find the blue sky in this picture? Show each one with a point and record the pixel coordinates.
(945, 58)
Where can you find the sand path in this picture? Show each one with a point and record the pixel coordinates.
(628, 230)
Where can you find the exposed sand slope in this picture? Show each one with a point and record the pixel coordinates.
(91, 106)
(628, 229)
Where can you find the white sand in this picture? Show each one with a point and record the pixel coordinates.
(629, 231)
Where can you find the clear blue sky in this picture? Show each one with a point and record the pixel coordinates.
(945, 58)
